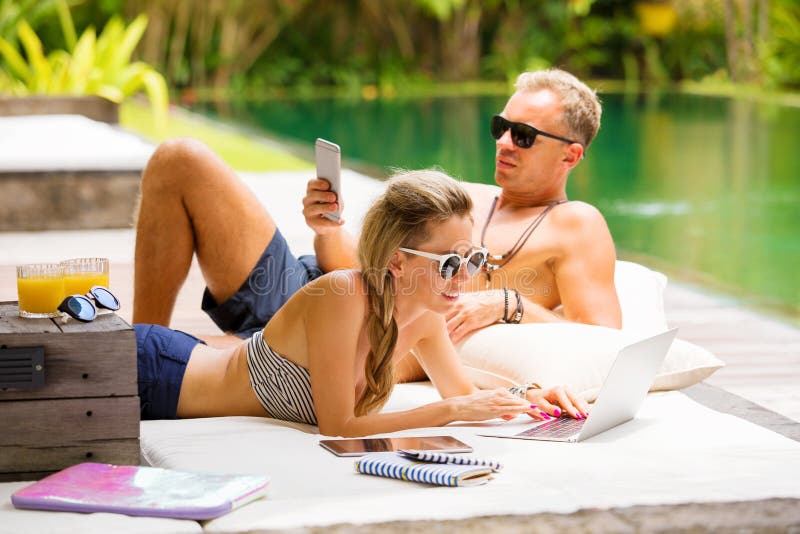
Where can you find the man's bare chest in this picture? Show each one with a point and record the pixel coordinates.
(517, 260)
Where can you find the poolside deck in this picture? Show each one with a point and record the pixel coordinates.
(762, 353)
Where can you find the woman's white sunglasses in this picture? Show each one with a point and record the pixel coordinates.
(449, 264)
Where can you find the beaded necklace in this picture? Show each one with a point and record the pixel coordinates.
(496, 261)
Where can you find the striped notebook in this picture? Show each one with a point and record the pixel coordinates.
(409, 465)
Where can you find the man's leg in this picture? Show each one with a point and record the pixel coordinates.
(192, 202)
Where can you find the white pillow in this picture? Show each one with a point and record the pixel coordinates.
(641, 297)
(575, 355)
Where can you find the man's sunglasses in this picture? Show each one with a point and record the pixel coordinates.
(449, 264)
(80, 307)
(523, 135)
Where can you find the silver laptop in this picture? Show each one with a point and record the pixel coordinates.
(619, 399)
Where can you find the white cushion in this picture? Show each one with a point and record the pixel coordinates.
(641, 297)
(38, 143)
(645, 462)
(574, 355)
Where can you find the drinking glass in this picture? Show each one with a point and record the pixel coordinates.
(81, 274)
(40, 289)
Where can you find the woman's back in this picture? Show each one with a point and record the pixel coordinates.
(322, 304)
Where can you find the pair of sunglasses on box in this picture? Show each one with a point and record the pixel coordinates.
(450, 264)
(81, 307)
(523, 135)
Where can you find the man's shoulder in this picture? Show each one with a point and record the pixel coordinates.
(577, 214)
(579, 223)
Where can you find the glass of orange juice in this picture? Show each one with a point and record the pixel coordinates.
(40, 289)
(81, 274)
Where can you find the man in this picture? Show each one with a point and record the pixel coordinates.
(545, 252)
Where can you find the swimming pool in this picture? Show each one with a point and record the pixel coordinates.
(705, 188)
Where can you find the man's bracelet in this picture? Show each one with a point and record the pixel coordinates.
(521, 390)
(519, 311)
(505, 310)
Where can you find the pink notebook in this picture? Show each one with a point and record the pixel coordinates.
(148, 491)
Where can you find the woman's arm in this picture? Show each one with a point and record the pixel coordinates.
(438, 357)
(479, 406)
(334, 324)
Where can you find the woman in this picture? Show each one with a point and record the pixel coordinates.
(327, 357)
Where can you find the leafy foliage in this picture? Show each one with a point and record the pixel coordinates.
(782, 59)
(366, 46)
(92, 64)
(33, 11)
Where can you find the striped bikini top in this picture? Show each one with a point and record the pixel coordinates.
(283, 388)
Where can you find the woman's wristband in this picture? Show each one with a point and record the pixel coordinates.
(521, 390)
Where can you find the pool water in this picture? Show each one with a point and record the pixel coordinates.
(705, 188)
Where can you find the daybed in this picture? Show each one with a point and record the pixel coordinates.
(679, 465)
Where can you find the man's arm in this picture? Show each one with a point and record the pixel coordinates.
(335, 248)
(584, 272)
(584, 276)
(479, 309)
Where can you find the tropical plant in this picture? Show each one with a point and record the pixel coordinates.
(296, 46)
(33, 11)
(782, 61)
(91, 65)
(213, 41)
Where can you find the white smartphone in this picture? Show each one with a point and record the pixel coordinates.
(362, 446)
(329, 166)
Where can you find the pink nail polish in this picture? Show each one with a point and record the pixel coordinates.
(579, 416)
(533, 406)
(543, 414)
(557, 412)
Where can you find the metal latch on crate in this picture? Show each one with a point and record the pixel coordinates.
(21, 367)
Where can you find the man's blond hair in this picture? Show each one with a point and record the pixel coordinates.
(581, 105)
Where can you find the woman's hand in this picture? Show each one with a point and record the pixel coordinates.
(489, 404)
(557, 401)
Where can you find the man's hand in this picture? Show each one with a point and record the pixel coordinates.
(474, 311)
(320, 199)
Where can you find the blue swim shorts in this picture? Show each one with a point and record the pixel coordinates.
(275, 278)
(162, 355)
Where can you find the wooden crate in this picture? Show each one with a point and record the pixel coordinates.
(86, 409)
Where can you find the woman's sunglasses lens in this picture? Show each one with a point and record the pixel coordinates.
(476, 261)
(450, 267)
(79, 308)
(105, 299)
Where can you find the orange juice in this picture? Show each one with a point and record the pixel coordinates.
(80, 274)
(81, 283)
(40, 296)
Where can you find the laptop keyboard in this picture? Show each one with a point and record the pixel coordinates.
(560, 428)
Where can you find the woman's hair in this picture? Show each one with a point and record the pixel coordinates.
(399, 218)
